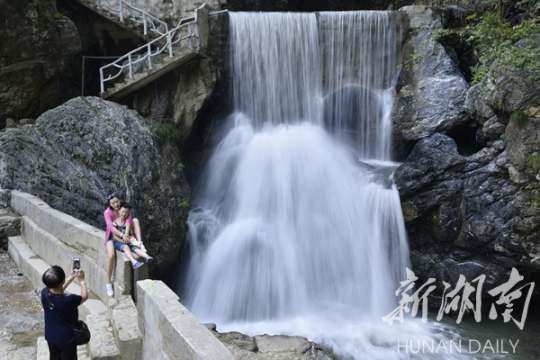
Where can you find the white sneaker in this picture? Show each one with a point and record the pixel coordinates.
(110, 291)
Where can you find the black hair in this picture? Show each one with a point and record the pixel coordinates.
(110, 197)
(54, 277)
(125, 205)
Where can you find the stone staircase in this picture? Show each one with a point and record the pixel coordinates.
(164, 51)
(137, 21)
(57, 238)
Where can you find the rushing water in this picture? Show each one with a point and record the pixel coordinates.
(296, 226)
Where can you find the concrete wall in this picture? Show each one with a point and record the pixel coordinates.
(57, 238)
(169, 330)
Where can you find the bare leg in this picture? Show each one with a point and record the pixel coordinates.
(129, 255)
(110, 257)
(141, 253)
(137, 229)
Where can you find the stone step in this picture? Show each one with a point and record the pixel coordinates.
(126, 328)
(61, 253)
(102, 343)
(34, 266)
(43, 350)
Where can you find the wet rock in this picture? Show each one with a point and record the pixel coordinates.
(238, 340)
(432, 92)
(38, 46)
(267, 347)
(422, 17)
(77, 153)
(505, 88)
(10, 123)
(522, 144)
(466, 215)
(280, 343)
(5, 198)
(492, 129)
(179, 96)
(10, 225)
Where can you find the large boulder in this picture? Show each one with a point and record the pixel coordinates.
(505, 88)
(432, 91)
(470, 215)
(36, 54)
(77, 153)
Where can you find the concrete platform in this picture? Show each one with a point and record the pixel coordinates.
(102, 343)
(128, 336)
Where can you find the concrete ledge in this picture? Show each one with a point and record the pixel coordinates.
(43, 350)
(125, 319)
(33, 266)
(55, 252)
(102, 344)
(72, 232)
(170, 331)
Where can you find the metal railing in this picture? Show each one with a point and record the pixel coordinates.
(124, 10)
(141, 59)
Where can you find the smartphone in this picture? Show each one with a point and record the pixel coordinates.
(76, 264)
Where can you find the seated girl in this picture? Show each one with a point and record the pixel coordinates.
(126, 242)
(110, 215)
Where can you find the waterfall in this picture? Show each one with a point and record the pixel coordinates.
(296, 217)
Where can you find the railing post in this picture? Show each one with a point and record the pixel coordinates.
(121, 9)
(99, 5)
(144, 23)
(130, 67)
(189, 37)
(169, 44)
(149, 57)
(102, 83)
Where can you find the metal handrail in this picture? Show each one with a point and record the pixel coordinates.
(144, 54)
(125, 10)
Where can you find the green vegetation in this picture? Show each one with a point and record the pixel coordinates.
(168, 130)
(412, 59)
(184, 205)
(520, 118)
(440, 34)
(495, 40)
(534, 162)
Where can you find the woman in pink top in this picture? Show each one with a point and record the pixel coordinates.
(110, 214)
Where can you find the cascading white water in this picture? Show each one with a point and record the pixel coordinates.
(290, 230)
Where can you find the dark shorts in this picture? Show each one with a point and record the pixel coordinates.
(62, 351)
(118, 245)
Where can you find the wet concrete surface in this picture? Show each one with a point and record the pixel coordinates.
(21, 314)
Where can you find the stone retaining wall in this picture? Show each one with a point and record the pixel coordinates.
(169, 330)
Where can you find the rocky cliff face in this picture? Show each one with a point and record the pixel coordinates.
(77, 153)
(36, 52)
(468, 210)
(172, 11)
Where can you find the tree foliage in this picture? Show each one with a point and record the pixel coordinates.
(494, 39)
